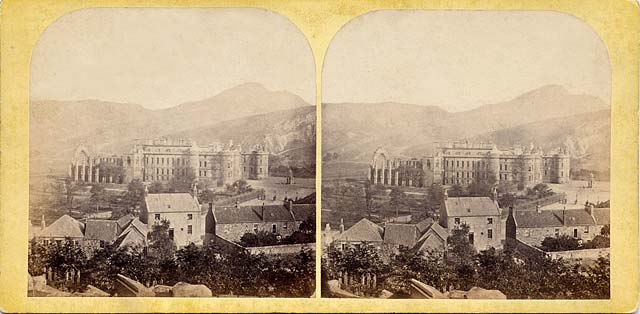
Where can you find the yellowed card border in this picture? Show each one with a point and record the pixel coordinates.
(22, 22)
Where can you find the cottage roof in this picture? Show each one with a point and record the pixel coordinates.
(401, 234)
(124, 221)
(138, 225)
(575, 217)
(533, 219)
(363, 231)
(303, 212)
(309, 199)
(430, 241)
(252, 214)
(101, 229)
(424, 225)
(171, 203)
(470, 206)
(601, 216)
(131, 238)
(63, 227)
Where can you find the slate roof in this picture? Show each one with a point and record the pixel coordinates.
(304, 211)
(124, 221)
(252, 214)
(424, 225)
(137, 224)
(101, 229)
(434, 239)
(533, 219)
(401, 234)
(363, 231)
(575, 217)
(470, 206)
(171, 203)
(602, 216)
(553, 218)
(63, 227)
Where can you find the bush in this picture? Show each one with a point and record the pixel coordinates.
(561, 243)
(260, 238)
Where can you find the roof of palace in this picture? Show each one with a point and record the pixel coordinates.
(470, 206)
(64, 227)
(171, 203)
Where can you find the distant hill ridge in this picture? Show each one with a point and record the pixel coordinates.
(354, 130)
(58, 127)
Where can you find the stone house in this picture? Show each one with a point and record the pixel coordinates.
(64, 228)
(426, 236)
(532, 226)
(186, 218)
(481, 214)
(232, 222)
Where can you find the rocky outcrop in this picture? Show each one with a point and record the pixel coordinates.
(161, 290)
(37, 287)
(182, 289)
(91, 291)
(127, 287)
(420, 290)
(336, 291)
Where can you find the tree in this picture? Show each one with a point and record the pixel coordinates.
(133, 199)
(456, 191)
(239, 187)
(398, 200)
(542, 190)
(560, 243)
(356, 260)
(605, 231)
(308, 226)
(480, 188)
(38, 258)
(434, 197)
(156, 187)
(507, 200)
(71, 187)
(161, 245)
(207, 196)
(99, 195)
(182, 183)
(260, 238)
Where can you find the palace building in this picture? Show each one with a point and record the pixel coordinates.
(164, 159)
(465, 162)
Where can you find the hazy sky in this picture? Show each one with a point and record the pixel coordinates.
(461, 59)
(163, 57)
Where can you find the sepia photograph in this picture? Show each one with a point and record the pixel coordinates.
(172, 154)
(466, 155)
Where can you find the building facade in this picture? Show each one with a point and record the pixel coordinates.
(480, 214)
(164, 159)
(186, 217)
(533, 226)
(465, 162)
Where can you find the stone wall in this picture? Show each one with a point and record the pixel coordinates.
(282, 249)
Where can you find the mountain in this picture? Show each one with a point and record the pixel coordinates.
(585, 136)
(354, 131)
(289, 134)
(57, 128)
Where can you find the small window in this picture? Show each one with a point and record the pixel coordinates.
(557, 232)
(490, 234)
(285, 226)
(255, 228)
(157, 216)
(586, 229)
(575, 233)
(171, 233)
(274, 228)
(189, 229)
(489, 221)
(456, 221)
(102, 244)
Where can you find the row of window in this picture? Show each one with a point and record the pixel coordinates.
(169, 161)
(189, 227)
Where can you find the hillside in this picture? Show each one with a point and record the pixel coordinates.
(58, 127)
(354, 131)
(290, 134)
(585, 136)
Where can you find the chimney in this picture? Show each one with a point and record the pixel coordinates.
(236, 205)
(289, 204)
(43, 223)
(262, 212)
(341, 225)
(538, 210)
(210, 205)
(563, 209)
(327, 227)
(446, 194)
